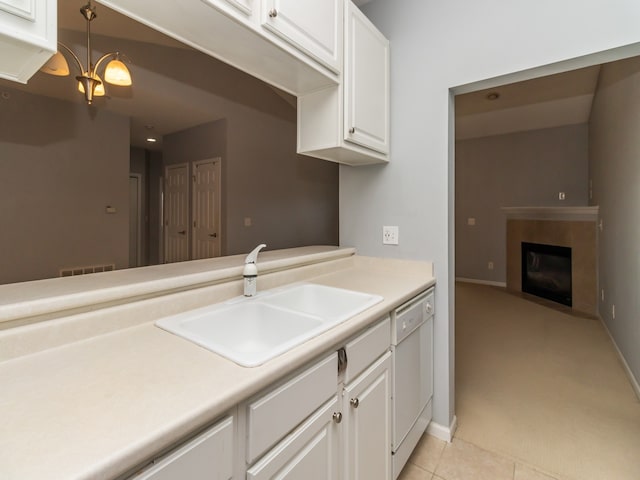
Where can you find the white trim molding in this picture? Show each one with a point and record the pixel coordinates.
(442, 432)
(482, 282)
(632, 379)
(552, 213)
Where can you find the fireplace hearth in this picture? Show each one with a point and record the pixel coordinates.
(546, 272)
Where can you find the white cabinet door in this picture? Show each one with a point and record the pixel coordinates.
(313, 26)
(209, 456)
(28, 36)
(309, 452)
(367, 417)
(366, 79)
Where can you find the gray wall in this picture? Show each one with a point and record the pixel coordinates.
(61, 164)
(437, 46)
(514, 170)
(614, 150)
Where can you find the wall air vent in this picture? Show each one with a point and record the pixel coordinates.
(71, 272)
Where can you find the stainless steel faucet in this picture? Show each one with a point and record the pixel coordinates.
(250, 272)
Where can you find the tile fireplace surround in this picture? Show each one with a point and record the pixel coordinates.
(574, 227)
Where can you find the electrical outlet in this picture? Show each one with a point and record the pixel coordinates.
(561, 196)
(247, 221)
(471, 221)
(490, 265)
(390, 235)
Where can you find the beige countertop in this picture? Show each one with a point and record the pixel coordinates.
(96, 407)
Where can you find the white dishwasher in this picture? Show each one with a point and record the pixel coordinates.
(412, 361)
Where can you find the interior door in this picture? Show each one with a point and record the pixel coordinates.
(176, 213)
(135, 220)
(206, 209)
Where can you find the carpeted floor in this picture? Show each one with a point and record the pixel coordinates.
(544, 387)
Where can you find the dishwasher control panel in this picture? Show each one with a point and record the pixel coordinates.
(406, 318)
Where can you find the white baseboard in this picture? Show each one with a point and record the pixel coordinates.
(442, 432)
(482, 282)
(632, 378)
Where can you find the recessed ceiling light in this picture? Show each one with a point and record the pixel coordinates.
(151, 140)
(493, 96)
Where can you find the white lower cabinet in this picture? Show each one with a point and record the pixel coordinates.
(367, 423)
(348, 437)
(310, 452)
(208, 456)
(331, 420)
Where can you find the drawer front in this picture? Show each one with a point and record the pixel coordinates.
(278, 412)
(366, 348)
(209, 455)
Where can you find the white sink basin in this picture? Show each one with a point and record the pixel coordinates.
(332, 304)
(250, 331)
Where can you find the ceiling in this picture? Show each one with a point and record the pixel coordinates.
(176, 87)
(545, 102)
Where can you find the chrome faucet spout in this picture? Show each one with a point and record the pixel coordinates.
(250, 272)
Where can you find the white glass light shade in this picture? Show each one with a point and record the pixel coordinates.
(98, 91)
(117, 73)
(56, 65)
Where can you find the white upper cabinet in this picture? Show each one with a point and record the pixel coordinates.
(313, 26)
(349, 123)
(289, 51)
(28, 36)
(366, 80)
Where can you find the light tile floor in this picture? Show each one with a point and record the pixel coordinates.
(435, 459)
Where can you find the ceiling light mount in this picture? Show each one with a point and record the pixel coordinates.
(89, 82)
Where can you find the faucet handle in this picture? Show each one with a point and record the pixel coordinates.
(253, 256)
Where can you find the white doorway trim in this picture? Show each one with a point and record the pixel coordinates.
(137, 216)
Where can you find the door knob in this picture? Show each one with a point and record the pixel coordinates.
(355, 402)
(337, 417)
(352, 130)
(273, 13)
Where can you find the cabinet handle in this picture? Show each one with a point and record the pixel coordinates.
(182, 232)
(273, 13)
(352, 130)
(429, 308)
(337, 417)
(214, 235)
(355, 402)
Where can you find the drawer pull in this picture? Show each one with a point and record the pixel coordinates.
(273, 13)
(337, 417)
(355, 402)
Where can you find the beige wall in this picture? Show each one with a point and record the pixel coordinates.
(614, 151)
(513, 170)
(61, 164)
(292, 200)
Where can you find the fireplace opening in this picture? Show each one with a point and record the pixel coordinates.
(546, 272)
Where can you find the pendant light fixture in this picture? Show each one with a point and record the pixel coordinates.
(89, 82)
